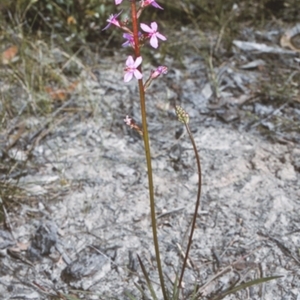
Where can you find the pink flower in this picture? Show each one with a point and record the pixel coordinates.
(153, 34)
(159, 70)
(131, 68)
(145, 3)
(130, 39)
(113, 20)
(117, 2)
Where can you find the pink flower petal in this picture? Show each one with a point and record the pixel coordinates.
(138, 74)
(138, 61)
(145, 27)
(129, 61)
(154, 26)
(128, 76)
(160, 36)
(154, 41)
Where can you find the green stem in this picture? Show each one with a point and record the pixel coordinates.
(196, 206)
(147, 152)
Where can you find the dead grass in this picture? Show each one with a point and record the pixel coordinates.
(37, 80)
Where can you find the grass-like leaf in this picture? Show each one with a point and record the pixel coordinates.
(68, 297)
(175, 294)
(245, 285)
(130, 296)
(148, 281)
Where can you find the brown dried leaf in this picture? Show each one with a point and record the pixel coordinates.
(286, 41)
(71, 20)
(19, 247)
(56, 95)
(9, 54)
(61, 94)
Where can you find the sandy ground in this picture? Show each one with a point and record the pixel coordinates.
(91, 213)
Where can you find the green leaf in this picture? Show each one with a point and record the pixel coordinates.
(131, 297)
(70, 297)
(245, 285)
(149, 283)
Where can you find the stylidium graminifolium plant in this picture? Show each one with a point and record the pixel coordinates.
(135, 39)
(133, 69)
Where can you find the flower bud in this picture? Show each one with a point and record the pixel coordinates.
(160, 70)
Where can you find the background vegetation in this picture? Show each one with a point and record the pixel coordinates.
(45, 44)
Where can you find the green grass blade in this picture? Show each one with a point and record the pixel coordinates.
(245, 285)
(149, 284)
(130, 296)
(175, 293)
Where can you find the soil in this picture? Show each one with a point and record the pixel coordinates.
(89, 215)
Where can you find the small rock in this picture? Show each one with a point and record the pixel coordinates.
(45, 238)
(85, 271)
(287, 173)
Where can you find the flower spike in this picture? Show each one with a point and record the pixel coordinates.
(182, 115)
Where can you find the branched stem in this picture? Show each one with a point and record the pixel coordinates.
(147, 152)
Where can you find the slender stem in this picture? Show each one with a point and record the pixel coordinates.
(147, 152)
(196, 206)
